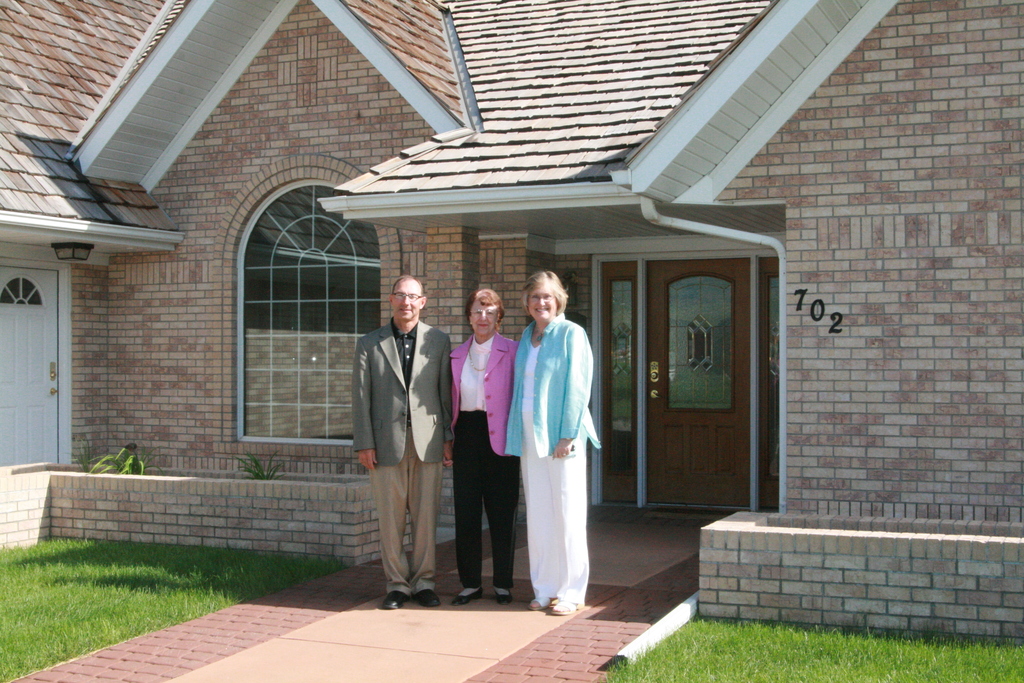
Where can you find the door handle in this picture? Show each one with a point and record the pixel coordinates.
(53, 390)
(655, 394)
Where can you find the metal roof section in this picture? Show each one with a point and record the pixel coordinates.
(197, 56)
(56, 62)
(743, 101)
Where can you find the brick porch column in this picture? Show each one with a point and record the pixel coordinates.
(452, 272)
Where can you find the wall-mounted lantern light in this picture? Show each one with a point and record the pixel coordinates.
(72, 251)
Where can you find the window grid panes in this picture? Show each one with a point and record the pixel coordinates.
(311, 289)
(21, 291)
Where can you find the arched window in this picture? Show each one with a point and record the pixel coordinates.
(311, 288)
(21, 291)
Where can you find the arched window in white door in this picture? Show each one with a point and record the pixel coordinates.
(21, 290)
(311, 288)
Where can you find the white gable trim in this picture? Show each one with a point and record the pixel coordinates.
(684, 155)
(217, 94)
(683, 126)
(134, 92)
(184, 35)
(791, 100)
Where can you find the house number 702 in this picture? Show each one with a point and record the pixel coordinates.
(817, 312)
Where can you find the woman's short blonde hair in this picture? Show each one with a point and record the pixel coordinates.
(545, 278)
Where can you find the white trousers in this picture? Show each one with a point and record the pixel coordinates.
(556, 520)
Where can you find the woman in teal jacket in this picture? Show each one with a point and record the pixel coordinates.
(548, 426)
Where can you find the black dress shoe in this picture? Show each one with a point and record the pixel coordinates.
(466, 599)
(394, 600)
(503, 598)
(427, 598)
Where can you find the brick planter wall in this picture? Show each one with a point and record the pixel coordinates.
(920, 576)
(329, 516)
(24, 507)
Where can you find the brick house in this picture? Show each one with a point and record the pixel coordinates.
(792, 228)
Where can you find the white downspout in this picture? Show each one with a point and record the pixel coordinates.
(651, 214)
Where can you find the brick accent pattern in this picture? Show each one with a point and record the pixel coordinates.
(912, 577)
(902, 182)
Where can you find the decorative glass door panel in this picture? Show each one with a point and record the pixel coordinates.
(700, 343)
(618, 438)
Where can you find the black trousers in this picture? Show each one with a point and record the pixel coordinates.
(483, 480)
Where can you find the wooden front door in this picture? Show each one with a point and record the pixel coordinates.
(697, 382)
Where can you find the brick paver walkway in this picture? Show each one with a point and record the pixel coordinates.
(578, 650)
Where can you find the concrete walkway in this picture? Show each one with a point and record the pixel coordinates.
(643, 564)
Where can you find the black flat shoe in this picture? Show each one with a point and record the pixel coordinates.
(394, 600)
(469, 597)
(427, 598)
(503, 598)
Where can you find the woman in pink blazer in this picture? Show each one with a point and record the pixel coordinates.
(484, 478)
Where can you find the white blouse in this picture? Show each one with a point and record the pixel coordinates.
(471, 384)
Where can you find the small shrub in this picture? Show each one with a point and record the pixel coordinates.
(254, 467)
(81, 454)
(129, 460)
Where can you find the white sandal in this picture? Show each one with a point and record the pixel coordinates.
(538, 604)
(564, 609)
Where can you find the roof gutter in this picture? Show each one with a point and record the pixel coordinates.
(478, 199)
(651, 213)
(34, 229)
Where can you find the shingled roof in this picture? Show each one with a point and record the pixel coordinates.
(566, 88)
(414, 31)
(56, 61)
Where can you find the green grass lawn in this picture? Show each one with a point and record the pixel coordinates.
(727, 652)
(62, 599)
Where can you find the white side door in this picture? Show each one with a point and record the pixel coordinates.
(29, 376)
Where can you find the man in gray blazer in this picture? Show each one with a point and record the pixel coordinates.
(402, 415)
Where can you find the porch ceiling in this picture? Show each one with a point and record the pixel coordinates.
(597, 222)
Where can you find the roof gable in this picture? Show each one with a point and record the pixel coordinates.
(193, 61)
(744, 100)
(659, 98)
(566, 88)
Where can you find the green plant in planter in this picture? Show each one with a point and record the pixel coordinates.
(129, 460)
(81, 454)
(254, 467)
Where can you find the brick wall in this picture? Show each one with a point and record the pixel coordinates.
(24, 506)
(902, 182)
(90, 311)
(330, 517)
(904, 576)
